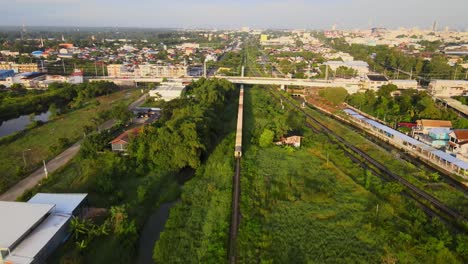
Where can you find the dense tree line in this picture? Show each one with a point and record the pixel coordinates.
(19, 101)
(410, 106)
(191, 126)
(381, 57)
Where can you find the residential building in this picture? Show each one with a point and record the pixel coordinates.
(20, 68)
(151, 70)
(448, 88)
(458, 143)
(115, 70)
(424, 126)
(405, 84)
(375, 81)
(439, 137)
(120, 143)
(361, 67)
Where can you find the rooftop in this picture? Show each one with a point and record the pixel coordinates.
(377, 78)
(461, 134)
(30, 247)
(434, 123)
(18, 219)
(126, 135)
(64, 203)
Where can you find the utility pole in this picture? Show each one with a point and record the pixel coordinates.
(242, 71)
(411, 75)
(95, 68)
(103, 72)
(455, 74)
(45, 169)
(204, 69)
(24, 157)
(326, 72)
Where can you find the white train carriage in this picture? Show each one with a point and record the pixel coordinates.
(238, 146)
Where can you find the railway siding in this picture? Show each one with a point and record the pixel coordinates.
(441, 207)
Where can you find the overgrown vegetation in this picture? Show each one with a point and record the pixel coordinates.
(315, 205)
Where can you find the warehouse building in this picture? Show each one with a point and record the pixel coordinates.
(31, 231)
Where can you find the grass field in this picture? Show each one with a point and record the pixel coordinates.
(36, 143)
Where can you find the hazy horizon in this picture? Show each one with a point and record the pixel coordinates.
(274, 14)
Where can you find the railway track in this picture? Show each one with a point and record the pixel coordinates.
(452, 214)
(235, 214)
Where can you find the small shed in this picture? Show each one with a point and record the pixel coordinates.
(290, 141)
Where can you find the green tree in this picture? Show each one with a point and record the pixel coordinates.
(266, 138)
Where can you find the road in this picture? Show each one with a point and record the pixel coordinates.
(63, 158)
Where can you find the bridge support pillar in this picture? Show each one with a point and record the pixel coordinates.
(283, 87)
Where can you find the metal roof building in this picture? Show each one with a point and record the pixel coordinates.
(18, 219)
(444, 159)
(30, 232)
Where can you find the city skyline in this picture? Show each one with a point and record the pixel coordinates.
(317, 14)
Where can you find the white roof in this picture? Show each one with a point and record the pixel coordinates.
(28, 249)
(64, 203)
(170, 86)
(17, 219)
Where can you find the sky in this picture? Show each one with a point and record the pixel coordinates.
(300, 14)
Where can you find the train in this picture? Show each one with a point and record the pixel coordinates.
(238, 146)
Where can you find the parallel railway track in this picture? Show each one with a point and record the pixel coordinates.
(382, 169)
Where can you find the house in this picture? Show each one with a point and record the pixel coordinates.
(290, 141)
(120, 143)
(424, 125)
(458, 143)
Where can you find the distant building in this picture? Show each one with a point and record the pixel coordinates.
(26, 79)
(405, 84)
(20, 68)
(448, 88)
(361, 67)
(263, 37)
(375, 81)
(167, 91)
(151, 70)
(6, 73)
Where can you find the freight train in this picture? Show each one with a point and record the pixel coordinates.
(238, 146)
